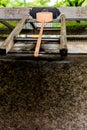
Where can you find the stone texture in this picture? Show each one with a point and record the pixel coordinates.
(42, 95)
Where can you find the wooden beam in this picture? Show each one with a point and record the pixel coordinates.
(71, 13)
(74, 47)
(13, 13)
(8, 44)
(7, 24)
(63, 38)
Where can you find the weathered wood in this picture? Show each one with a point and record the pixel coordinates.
(71, 13)
(7, 24)
(7, 45)
(63, 38)
(13, 13)
(74, 13)
(74, 47)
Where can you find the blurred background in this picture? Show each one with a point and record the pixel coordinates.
(28, 3)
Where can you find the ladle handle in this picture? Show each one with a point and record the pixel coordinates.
(36, 52)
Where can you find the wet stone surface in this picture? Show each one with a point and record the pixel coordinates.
(42, 95)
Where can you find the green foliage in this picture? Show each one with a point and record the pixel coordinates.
(15, 3)
(73, 25)
(73, 2)
(58, 4)
(11, 3)
(42, 2)
(13, 23)
(4, 3)
(84, 3)
(38, 3)
(2, 26)
(21, 3)
(70, 25)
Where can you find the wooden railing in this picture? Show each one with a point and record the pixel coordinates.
(22, 14)
(71, 13)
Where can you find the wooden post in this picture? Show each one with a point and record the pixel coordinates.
(63, 39)
(8, 43)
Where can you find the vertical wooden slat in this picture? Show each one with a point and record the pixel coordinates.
(63, 38)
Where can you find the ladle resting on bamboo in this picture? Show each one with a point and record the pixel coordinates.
(42, 17)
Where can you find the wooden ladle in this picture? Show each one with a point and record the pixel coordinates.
(42, 17)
